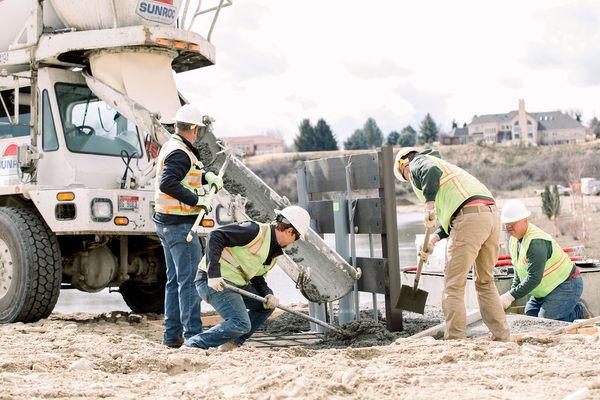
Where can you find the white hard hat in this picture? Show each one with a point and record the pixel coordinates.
(298, 217)
(189, 114)
(399, 162)
(514, 210)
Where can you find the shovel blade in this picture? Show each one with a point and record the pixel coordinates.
(412, 300)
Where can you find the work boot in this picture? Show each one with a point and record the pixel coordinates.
(228, 346)
(174, 344)
(586, 309)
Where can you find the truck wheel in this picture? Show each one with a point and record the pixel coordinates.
(144, 297)
(30, 266)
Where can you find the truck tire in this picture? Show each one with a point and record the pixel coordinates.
(144, 297)
(30, 266)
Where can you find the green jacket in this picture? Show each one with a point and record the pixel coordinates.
(434, 179)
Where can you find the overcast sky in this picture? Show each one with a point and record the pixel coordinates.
(279, 61)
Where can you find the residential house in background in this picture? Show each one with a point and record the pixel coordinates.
(455, 136)
(255, 145)
(522, 127)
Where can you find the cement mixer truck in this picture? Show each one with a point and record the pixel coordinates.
(83, 92)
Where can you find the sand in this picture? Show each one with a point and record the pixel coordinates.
(81, 356)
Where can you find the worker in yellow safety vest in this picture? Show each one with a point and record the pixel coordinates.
(241, 255)
(542, 269)
(179, 197)
(466, 212)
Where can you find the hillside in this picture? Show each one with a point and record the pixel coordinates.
(507, 171)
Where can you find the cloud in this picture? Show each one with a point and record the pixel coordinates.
(569, 41)
(383, 69)
(305, 103)
(511, 82)
(248, 15)
(243, 60)
(424, 101)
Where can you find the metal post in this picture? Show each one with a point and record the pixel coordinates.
(315, 310)
(351, 209)
(389, 240)
(340, 223)
(372, 255)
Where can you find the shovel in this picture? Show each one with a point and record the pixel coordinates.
(411, 298)
(284, 308)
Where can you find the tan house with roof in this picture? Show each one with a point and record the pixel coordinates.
(255, 145)
(553, 127)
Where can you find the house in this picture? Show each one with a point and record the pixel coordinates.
(255, 145)
(455, 136)
(541, 128)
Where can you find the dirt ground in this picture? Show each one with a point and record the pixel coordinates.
(87, 356)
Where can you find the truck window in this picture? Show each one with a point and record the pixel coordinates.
(49, 138)
(91, 126)
(7, 130)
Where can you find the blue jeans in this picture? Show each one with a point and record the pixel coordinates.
(561, 304)
(182, 304)
(242, 317)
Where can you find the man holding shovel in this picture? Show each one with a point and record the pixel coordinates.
(240, 255)
(179, 197)
(466, 212)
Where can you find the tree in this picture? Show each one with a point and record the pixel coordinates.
(372, 133)
(324, 137)
(305, 141)
(595, 127)
(357, 141)
(393, 138)
(408, 136)
(454, 124)
(428, 130)
(551, 204)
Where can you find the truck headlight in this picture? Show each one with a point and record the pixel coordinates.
(102, 210)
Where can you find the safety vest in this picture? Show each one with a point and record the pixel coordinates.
(165, 204)
(241, 263)
(558, 266)
(456, 186)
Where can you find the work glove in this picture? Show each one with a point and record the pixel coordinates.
(429, 220)
(214, 180)
(216, 284)
(271, 303)
(506, 299)
(425, 253)
(204, 202)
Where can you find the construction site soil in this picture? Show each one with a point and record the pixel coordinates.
(114, 356)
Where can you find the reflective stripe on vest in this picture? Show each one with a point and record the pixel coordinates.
(242, 263)
(557, 269)
(165, 204)
(456, 186)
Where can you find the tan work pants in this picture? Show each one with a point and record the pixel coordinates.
(474, 239)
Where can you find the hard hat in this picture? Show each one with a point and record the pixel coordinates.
(400, 162)
(514, 210)
(189, 114)
(298, 217)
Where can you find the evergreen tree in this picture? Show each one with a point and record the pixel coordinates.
(357, 141)
(551, 204)
(428, 130)
(595, 127)
(324, 136)
(393, 138)
(408, 137)
(306, 139)
(372, 133)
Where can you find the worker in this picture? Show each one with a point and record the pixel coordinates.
(241, 255)
(467, 214)
(179, 197)
(542, 269)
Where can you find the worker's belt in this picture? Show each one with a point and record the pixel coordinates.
(478, 208)
(575, 274)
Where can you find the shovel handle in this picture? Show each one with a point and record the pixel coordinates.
(211, 193)
(284, 308)
(425, 247)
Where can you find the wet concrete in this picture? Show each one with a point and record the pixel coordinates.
(286, 324)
